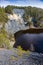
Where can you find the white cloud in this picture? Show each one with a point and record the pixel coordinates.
(4, 3)
(34, 3)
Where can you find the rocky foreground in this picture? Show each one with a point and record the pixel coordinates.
(11, 57)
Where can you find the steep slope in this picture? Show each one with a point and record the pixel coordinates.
(15, 22)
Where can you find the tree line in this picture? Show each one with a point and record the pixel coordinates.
(35, 13)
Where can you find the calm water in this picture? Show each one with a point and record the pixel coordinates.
(26, 40)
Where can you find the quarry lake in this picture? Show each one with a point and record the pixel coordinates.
(32, 42)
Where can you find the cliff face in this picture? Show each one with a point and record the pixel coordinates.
(15, 22)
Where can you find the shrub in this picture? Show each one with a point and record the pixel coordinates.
(21, 51)
(4, 42)
(3, 16)
(13, 58)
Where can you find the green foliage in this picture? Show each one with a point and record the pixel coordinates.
(4, 42)
(3, 16)
(13, 58)
(8, 9)
(10, 36)
(26, 16)
(34, 12)
(21, 51)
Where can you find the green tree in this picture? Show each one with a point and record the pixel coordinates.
(8, 9)
(3, 16)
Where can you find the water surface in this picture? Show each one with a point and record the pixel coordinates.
(25, 40)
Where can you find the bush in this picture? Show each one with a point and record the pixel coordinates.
(3, 16)
(21, 51)
(4, 42)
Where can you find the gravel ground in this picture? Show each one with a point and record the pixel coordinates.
(10, 57)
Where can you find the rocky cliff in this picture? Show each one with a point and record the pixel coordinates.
(15, 22)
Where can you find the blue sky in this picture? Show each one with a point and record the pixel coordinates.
(33, 3)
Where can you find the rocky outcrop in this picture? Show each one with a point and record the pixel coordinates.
(11, 57)
(15, 22)
(13, 26)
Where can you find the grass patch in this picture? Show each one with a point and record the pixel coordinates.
(13, 58)
(21, 51)
(4, 42)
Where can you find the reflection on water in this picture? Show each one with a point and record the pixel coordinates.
(26, 40)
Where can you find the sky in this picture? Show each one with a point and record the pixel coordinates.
(33, 3)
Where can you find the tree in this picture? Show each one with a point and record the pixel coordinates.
(3, 16)
(8, 9)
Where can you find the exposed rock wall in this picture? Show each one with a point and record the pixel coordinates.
(15, 22)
